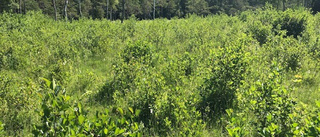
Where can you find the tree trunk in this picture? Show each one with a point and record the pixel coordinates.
(111, 13)
(305, 3)
(55, 9)
(284, 4)
(107, 9)
(24, 7)
(65, 10)
(20, 9)
(80, 12)
(123, 12)
(161, 12)
(154, 9)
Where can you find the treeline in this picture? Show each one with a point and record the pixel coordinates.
(144, 9)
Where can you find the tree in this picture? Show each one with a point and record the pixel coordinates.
(154, 9)
(4, 5)
(20, 6)
(97, 10)
(86, 7)
(55, 9)
(14, 6)
(199, 7)
(316, 6)
(65, 10)
(24, 7)
(79, 8)
(146, 9)
(113, 7)
(133, 7)
(123, 10)
(182, 8)
(30, 5)
(107, 12)
(171, 9)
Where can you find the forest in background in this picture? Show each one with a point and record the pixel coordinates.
(144, 9)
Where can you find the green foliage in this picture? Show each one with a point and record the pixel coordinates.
(260, 31)
(16, 100)
(228, 66)
(144, 9)
(198, 7)
(272, 107)
(137, 52)
(2, 129)
(236, 125)
(61, 117)
(242, 75)
(293, 24)
(313, 122)
(137, 84)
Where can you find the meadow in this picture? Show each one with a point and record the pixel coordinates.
(252, 74)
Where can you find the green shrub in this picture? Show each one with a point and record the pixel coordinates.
(272, 107)
(260, 31)
(2, 132)
(228, 66)
(293, 24)
(16, 102)
(269, 107)
(137, 52)
(313, 122)
(61, 117)
(8, 59)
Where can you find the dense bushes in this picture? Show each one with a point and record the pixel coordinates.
(153, 89)
(60, 117)
(294, 25)
(272, 22)
(228, 66)
(252, 74)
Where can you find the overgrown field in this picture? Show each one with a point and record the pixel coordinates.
(254, 74)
